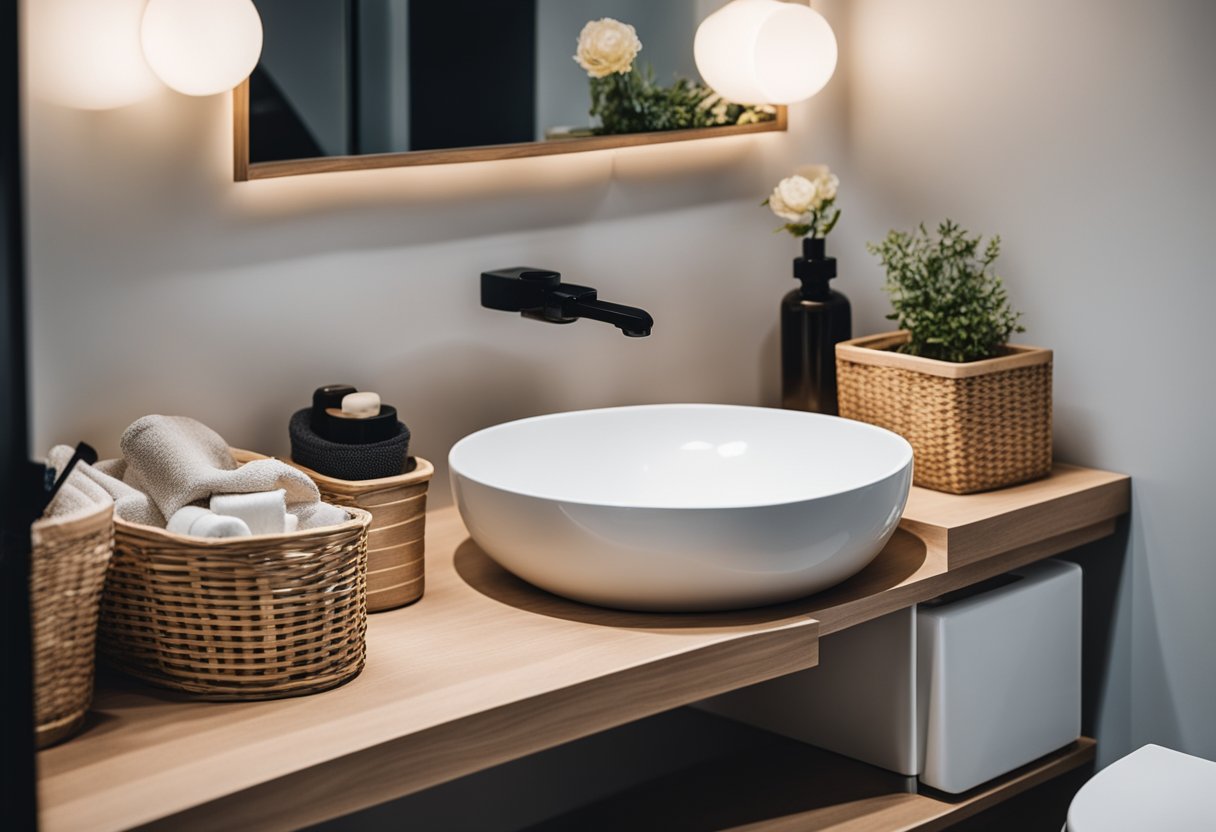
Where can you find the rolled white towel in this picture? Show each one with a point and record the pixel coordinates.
(197, 521)
(265, 512)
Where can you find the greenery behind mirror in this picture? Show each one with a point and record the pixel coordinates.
(349, 84)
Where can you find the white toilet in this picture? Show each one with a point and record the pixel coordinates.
(1153, 789)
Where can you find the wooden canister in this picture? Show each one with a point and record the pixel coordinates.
(395, 539)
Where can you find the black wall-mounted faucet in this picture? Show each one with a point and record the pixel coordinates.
(540, 294)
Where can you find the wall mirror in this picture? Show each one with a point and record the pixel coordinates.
(357, 84)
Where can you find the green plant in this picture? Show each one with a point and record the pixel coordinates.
(634, 102)
(944, 292)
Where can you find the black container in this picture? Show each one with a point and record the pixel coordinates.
(814, 318)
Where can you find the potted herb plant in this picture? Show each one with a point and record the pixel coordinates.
(975, 408)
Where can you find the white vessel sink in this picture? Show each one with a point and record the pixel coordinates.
(683, 506)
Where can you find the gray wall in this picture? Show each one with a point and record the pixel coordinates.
(1081, 131)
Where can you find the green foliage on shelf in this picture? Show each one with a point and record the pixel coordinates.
(634, 102)
(944, 292)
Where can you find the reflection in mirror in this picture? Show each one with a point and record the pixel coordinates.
(352, 78)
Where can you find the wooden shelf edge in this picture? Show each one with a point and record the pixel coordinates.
(835, 616)
(931, 811)
(774, 784)
(419, 761)
(973, 527)
(1071, 757)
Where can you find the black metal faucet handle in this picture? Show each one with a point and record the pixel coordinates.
(518, 288)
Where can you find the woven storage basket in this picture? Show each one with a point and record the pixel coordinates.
(973, 426)
(395, 539)
(67, 570)
(242, 618)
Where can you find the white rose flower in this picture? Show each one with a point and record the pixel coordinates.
(606, 46)
(793, 198)
(803, 201)
(826, 185)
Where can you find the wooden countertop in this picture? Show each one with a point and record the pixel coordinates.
(486, 668)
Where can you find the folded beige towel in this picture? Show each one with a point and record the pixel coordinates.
(73, 499)
(178, 461)
(88, 485)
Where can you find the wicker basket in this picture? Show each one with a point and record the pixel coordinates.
(243, 618)
(395, 539)
(67, 570)
(973, 426)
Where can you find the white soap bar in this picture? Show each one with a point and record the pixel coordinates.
(361, 405)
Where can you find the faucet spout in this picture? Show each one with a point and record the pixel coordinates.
(634, 322)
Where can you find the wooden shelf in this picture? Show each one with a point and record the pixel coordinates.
(482, 670)
(779, 785)
(486, 669)
(976, 526)
(946, 542)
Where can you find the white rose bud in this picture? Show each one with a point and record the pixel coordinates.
(826, 185)
(793, 198)
(606, 46)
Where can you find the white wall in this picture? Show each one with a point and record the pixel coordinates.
(1083, 132)
(159, 285)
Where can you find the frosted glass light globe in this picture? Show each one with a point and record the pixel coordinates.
(201, 47)
(765, 51)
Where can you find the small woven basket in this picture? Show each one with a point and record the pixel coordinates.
(973, 427)
(67, 569)
(396, 537)
(244, 618)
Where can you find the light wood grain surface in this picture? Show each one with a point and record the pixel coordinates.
(975, 526)
(457, 682)
(486, 668)
(903, 812)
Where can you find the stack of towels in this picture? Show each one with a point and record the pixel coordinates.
(178, 474)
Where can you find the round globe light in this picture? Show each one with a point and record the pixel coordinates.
(201, 47)
(765, 51)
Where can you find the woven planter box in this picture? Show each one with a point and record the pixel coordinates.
(67, 570)
(973, 427)
(396, 537)
(241, 618)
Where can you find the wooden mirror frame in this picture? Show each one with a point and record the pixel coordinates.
(244, 170)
